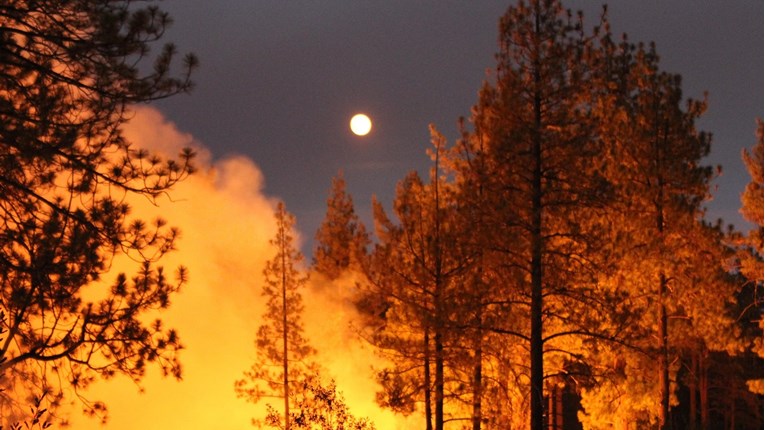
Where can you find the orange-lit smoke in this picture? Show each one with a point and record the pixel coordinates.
(226, 223)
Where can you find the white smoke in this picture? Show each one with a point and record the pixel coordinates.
(226, 222)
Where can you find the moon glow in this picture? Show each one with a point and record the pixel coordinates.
(361, 124)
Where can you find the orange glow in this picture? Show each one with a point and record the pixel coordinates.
(226, 222)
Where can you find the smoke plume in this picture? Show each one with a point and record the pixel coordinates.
(226, 221)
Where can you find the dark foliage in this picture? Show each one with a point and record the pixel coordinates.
(69, 72)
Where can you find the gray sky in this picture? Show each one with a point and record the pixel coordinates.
(279, 81)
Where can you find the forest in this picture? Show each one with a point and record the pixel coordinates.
(554, 270)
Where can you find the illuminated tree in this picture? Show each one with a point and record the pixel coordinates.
(750, 258)
(666, 260)
(530, 170)
(69, 72)
(416, 268)
(342, 238)
(282, 351)
(751, 253)
(752, 200)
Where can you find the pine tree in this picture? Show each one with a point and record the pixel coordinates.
(282, 351)
(69, 73)
(752, 199)
(341, 240)
(530, 169)
(750, 259)
(416, 269)
(666, 260)
(750, 256)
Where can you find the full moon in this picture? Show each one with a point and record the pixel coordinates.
(361, 124)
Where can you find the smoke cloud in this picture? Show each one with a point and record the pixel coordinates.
(226, 222)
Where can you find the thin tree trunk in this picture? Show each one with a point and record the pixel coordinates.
(731, 412)
(285, 359)
(428, 410)
(551, 409)
(438, 300)
(477, 378)
(663, 357)
(664, 419)
(536, 347)
(537, 370)
(477, 416)
(555, 408)
(704, 390)
(693, 388)
(439, 353)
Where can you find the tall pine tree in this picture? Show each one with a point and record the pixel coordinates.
(283, 353)
(750, 255)
(750, 258)
(530, 169)
(666, 261)
(416, 268)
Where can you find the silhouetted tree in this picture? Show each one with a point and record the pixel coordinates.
(341, 240)
(69, 72)
(319, 407)
(282, 351)
(39, 416)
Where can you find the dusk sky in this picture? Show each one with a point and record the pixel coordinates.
(279, 82)
(277, 86)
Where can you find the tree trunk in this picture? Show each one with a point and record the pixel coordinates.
(664, 422)
(664, 419)
(693, 391)
(536, 347)
(439, 356)
(438, 302)
(704, 390)
(555, 408)
(551, 408)
(477, 379)
(537, 370)
(428, 410)
(285, 345)
(731, 412)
